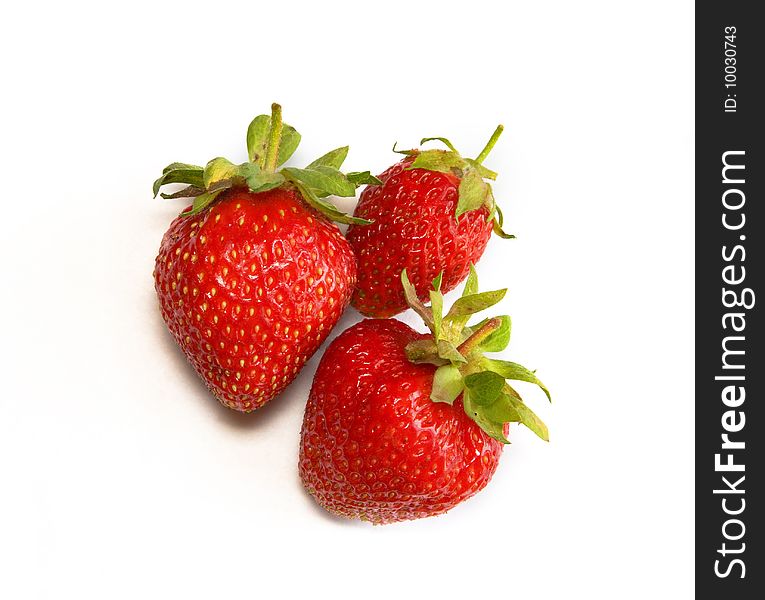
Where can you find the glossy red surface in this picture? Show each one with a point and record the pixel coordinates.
(250, 288)
(374, 446)
(414, 228)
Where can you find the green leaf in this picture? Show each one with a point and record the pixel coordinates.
(469, 305)
(358, 178)
(334, 158)
(179, 173)
(437, 281)
(290, 140)
(187, 192)
(410, 294)
(404, 152)
(257, 139)
(437, 160)
(437, 308)
(473, 192)
(498, 339)
(471, 283)
(443, 140)
(448, 351)
(485, 387)
(447, 384)
(219, 169)
(326, 208)
(177, 166)
(324, 180)
(526, 415)
(482, 171)
(493, 428)
(261, 181)
(202, 202)
(514, 371)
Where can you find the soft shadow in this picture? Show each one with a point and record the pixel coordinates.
(263, 417)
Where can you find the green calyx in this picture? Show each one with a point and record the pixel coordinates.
(474, 191)
(458, 351)
(270, 143)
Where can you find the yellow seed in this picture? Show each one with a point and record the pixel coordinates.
(202, 239)
(241, 221)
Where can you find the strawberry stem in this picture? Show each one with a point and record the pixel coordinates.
(479, 336)
(490, 144)
(274, 136)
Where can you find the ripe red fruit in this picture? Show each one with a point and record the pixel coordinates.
(433, 214)
(401, 425)
(252, 278)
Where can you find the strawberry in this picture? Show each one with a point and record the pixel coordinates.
(401, 425)
(433, 213)
(253, 276)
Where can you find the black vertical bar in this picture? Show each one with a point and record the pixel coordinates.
(730, 548)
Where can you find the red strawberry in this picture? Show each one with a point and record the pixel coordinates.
(401, 425)
(433, 213)
(253, 276)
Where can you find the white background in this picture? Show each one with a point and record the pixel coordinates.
(121, 477)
